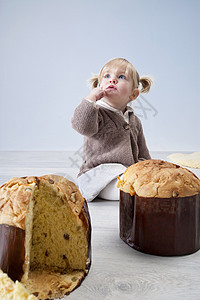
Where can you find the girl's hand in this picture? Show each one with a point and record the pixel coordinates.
(96, 94)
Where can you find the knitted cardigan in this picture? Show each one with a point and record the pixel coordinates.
(107, 137)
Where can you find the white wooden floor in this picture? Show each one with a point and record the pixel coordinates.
(117, 271)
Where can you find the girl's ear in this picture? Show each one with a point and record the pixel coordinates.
(135, 94)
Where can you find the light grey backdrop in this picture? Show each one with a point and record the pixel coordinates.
(49, 48)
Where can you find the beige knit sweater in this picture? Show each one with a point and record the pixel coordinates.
(107, 137)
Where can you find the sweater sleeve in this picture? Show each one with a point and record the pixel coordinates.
(143, 150)
(86, 118)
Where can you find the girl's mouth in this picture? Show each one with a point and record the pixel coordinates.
(111, 87)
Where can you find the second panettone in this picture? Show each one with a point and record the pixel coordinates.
(160, 208)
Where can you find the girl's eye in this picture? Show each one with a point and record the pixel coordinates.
(122, 76)
(107, 76)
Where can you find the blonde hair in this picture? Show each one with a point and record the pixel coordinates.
(144, 81)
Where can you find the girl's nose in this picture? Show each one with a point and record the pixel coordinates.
(113, 80)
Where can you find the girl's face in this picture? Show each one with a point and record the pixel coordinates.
(118, 87)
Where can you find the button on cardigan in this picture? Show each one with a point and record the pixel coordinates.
(107, 137)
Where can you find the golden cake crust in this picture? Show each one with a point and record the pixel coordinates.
(16, 193)
(159, 179)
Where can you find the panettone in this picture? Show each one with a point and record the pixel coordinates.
(45, 234)
(160, 208)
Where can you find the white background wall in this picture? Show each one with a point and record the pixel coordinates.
(49, 48)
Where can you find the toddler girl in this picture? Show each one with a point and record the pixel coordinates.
(113, 135)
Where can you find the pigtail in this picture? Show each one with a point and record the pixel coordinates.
(94, 81)
(146, 83)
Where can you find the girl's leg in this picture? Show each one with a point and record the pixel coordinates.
(110, 192)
